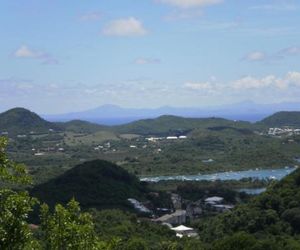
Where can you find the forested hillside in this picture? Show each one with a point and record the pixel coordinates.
(22, 121)
(283, 118)
(272, 220)
(167, 124)
(96, 184)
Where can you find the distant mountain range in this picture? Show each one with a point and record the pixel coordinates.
(115, 115)
(20, 121)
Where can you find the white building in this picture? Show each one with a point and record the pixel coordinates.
(214, 200)
(184, 231)
(172, 138)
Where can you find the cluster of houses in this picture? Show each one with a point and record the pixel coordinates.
(155, 139)
(41, 152)
(184, 212)
(6, 133)
(105, 147)
(283, 131)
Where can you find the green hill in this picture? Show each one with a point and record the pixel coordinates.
(95, 184)
(22, 121)
(168, 124)
(284, 118)
(78, 126)
(276, 212)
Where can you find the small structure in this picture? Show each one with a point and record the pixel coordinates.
(138, 206)
(176, 200)
(208, 161)
(21, 136)
(222, 208)
(176, 218)
(39, 154)
(184, 231)
(172, 138)
(214, 200)
(194, 210)
(132, 146)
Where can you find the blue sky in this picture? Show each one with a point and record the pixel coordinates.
(61, 56)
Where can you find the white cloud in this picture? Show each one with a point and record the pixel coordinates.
(294, 78)
(143, 61)
(250, 82)
(191, 3)
(291, 79)
(91, 16)
(255, 56)
(125, 27)
(278, 55)
(25, 52)
(290, 51)
(199, 85)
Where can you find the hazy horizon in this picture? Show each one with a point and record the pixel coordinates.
(60, 57)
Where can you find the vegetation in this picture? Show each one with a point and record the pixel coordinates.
(231, 145)
(96, 184)
(269, 221)
(272, 217)
(284, 118)
(22, 121)
(78, 126)
(167, 124)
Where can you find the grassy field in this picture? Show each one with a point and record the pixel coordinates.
(74, 139)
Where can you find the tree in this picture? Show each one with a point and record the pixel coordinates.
(67, 228)
(14, 205)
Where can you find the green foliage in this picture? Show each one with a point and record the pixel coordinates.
(67, 228)
(239, 241)
(167, 124)
(14, 210)
(275, 212)
(284, 118)
(128, 228)
(78, 126)
(10, 171)
(14, 206)
(21, 121)
(97, 184)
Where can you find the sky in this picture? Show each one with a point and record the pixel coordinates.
(64, 56)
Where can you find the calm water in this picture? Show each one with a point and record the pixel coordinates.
(253, 191)
(275, 174)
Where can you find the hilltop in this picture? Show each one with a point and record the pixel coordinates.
(284, 118)
(22, 121)
(168, 124)
(95, 184)
(79, 126)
